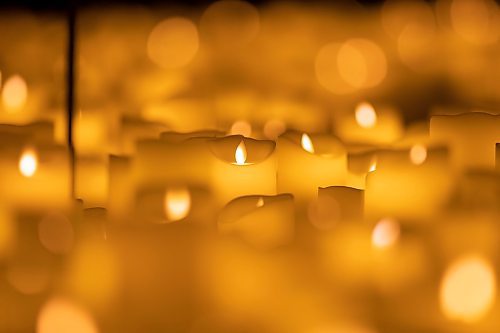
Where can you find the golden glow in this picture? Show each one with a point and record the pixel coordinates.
(306, 143)
(229, 24)
(274, 128)
(28, 163)
(28, 279)
(361, 63)
(62, 316)
(418, 154)
(177, 203)
(475, 20)
(173, 43)
(260, 202)
(240, 156)
(468, 289)
(241, 127)
(14, 93)
(365, 114)
(56, 233)
(386, 233)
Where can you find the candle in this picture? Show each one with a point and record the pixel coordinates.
(409, 184)
(34, 176)
(175, 203)
(369, 125)
(263, 221)
(471, 136)
(306, 162)
(242, 166)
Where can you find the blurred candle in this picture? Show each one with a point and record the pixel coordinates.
(400, 187)
(263, 221)
(369, 125)
(471, 137)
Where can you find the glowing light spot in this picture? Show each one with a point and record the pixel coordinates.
(240, 156)
(468, 289)
(361, 63)
(177, 203)
(173, 43)
(385, 233)
(475, 20)
(28, 279)
(274, 128)
(56, 233)
(260, 202)
(366, 116)
(241, 127)
(327, 70)
(14, 94)
(62, 316)
(418, 154)
(28, 163)
(230, 23)
(306, 143)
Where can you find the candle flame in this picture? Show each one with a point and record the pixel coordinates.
(306, 143)
(28, 163)
(418, 154)
(468, 289)
(240, 155)
(373, 166)
(260, 202)
(177, 203)
(366, 116)
(385, 233)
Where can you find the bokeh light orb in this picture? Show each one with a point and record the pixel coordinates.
(59, 315)
(476, 21)
(230, 23)
(468, 289)
(14, 93)
(173, 43)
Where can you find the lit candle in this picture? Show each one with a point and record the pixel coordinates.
(34, 177)
(263, 221)
(370, 125)
(242, 166)
(306, 162)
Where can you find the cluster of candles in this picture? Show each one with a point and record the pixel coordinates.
(251, 214)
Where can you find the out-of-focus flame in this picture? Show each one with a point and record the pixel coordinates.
(365, 114)
(468, 289)
(61, 316)
(385, 233)
(14, 93)
(177, 203)
(306, 143)
(260, 202)
(240, 156)
(28, 163)
(418, 154)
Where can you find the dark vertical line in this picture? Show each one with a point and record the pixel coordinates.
(71, 90)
